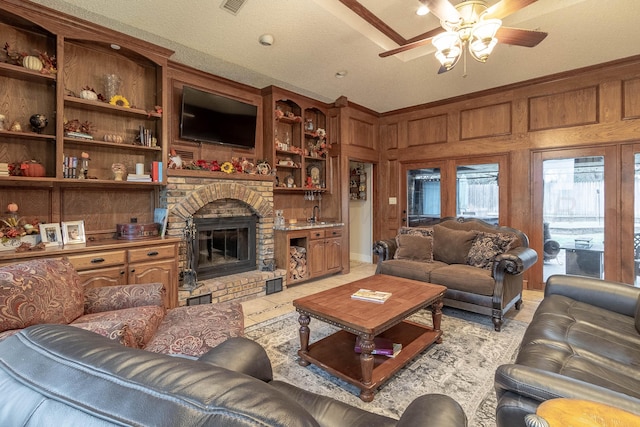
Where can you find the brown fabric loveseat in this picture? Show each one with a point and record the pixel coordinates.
(50, 291)
(480, 264)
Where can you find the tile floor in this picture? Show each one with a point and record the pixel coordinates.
(269, 306)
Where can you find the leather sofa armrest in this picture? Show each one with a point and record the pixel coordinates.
(517, 260)
(108, 298)
(433, 410)
(385, 249)
(539, 385)
(241, 355)
(613, 296)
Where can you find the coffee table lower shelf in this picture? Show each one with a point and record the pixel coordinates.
(335, 354)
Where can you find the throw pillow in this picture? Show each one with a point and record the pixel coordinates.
(114, 330)
(416, 231)
(485, 248)
(414, 247)
(451, 246)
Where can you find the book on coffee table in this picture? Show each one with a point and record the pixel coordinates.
(371, 296)
(384, 347)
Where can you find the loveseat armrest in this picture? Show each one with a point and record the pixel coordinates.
(241, 355)
(613, 296)
(385, 249)
(433, 410)
(540, 385)
(516, 260)
(108, 298)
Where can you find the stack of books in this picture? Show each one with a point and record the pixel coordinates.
(4, 169)
(371, 296)
(134, 177)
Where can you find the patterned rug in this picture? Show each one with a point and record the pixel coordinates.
(462, 366)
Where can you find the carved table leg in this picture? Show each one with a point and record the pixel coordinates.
(366, 364)
(436, 315)
(304, 320)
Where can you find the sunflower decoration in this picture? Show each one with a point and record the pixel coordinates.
(120, 101)
(227, 167)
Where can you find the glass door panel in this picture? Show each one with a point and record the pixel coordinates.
(477, 192)
(573, 216)
(423, 196)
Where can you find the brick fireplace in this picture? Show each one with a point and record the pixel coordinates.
(206, 195)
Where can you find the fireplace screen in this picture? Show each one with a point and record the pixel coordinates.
(224, 246)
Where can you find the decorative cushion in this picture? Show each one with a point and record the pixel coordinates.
(194, 330)
(142, 321)
(107, 298)
(416, 231)
(39, 291)
(414, 247)
(485, 248)
(115, 330)
(451, 246)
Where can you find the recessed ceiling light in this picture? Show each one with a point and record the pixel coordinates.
(422, 10)
(115, 46)
(266, 40)
(341, 74)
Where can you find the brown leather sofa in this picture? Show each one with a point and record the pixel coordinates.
(582, 343)
(74, 377)
(50, 291)
(480, 264)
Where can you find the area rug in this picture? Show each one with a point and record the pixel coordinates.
(462, 366)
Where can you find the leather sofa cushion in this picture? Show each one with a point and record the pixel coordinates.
(414, 247)
(40, 291)
(464, 278)
(451, 246)
(416, 270)
(142, 321)
(584, 342)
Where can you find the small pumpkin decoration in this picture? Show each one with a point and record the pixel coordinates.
(32, 168)
(32, 63)
(89, 95)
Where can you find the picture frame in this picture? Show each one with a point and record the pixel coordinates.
(51, 234)
(73, 232)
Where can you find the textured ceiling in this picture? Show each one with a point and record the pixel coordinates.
(316, 38)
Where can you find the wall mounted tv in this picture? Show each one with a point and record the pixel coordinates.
(211, 118)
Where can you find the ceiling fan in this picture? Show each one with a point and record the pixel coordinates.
(473, 26)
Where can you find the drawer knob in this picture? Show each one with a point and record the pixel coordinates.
(97, 260)
(152, 253)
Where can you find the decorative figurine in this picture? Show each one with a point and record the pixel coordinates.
(38, 122)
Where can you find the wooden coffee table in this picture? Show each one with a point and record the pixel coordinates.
(336, 354)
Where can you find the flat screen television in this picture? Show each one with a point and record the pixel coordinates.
(211, 118)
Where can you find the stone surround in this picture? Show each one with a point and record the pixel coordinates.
(190, 193)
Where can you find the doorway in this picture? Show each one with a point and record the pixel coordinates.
(360, 212)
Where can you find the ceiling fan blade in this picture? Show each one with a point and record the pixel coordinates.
(405, 47)
(520, 37)
(442, 9)
(505, 8)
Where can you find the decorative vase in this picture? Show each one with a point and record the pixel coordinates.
(32, 63)
(84, 169)
(12, 244)
(112, 84)
(118, 175)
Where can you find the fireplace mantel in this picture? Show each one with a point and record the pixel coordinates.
(202, 174)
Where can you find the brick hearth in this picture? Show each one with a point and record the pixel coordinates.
(190, 193)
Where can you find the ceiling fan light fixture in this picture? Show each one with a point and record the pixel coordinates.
(486, 29)
(481, 49)
(449, 48)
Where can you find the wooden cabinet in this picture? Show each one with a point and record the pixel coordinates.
(117, 262)
(322, 248)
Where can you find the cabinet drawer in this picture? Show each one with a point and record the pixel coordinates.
(316, 234)
(97, 260)
(151, 253)
(333, 232)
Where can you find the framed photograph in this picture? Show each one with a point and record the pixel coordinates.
(50, 234)
(73, 232)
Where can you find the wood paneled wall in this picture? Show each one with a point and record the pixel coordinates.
(594, 107)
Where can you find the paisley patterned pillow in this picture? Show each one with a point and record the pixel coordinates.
(486, 247)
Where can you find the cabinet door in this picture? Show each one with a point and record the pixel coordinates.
(112, 276)
(316, 258)
(334, 255)
(162, 271)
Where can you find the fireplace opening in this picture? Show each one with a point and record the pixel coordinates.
(225, 245)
